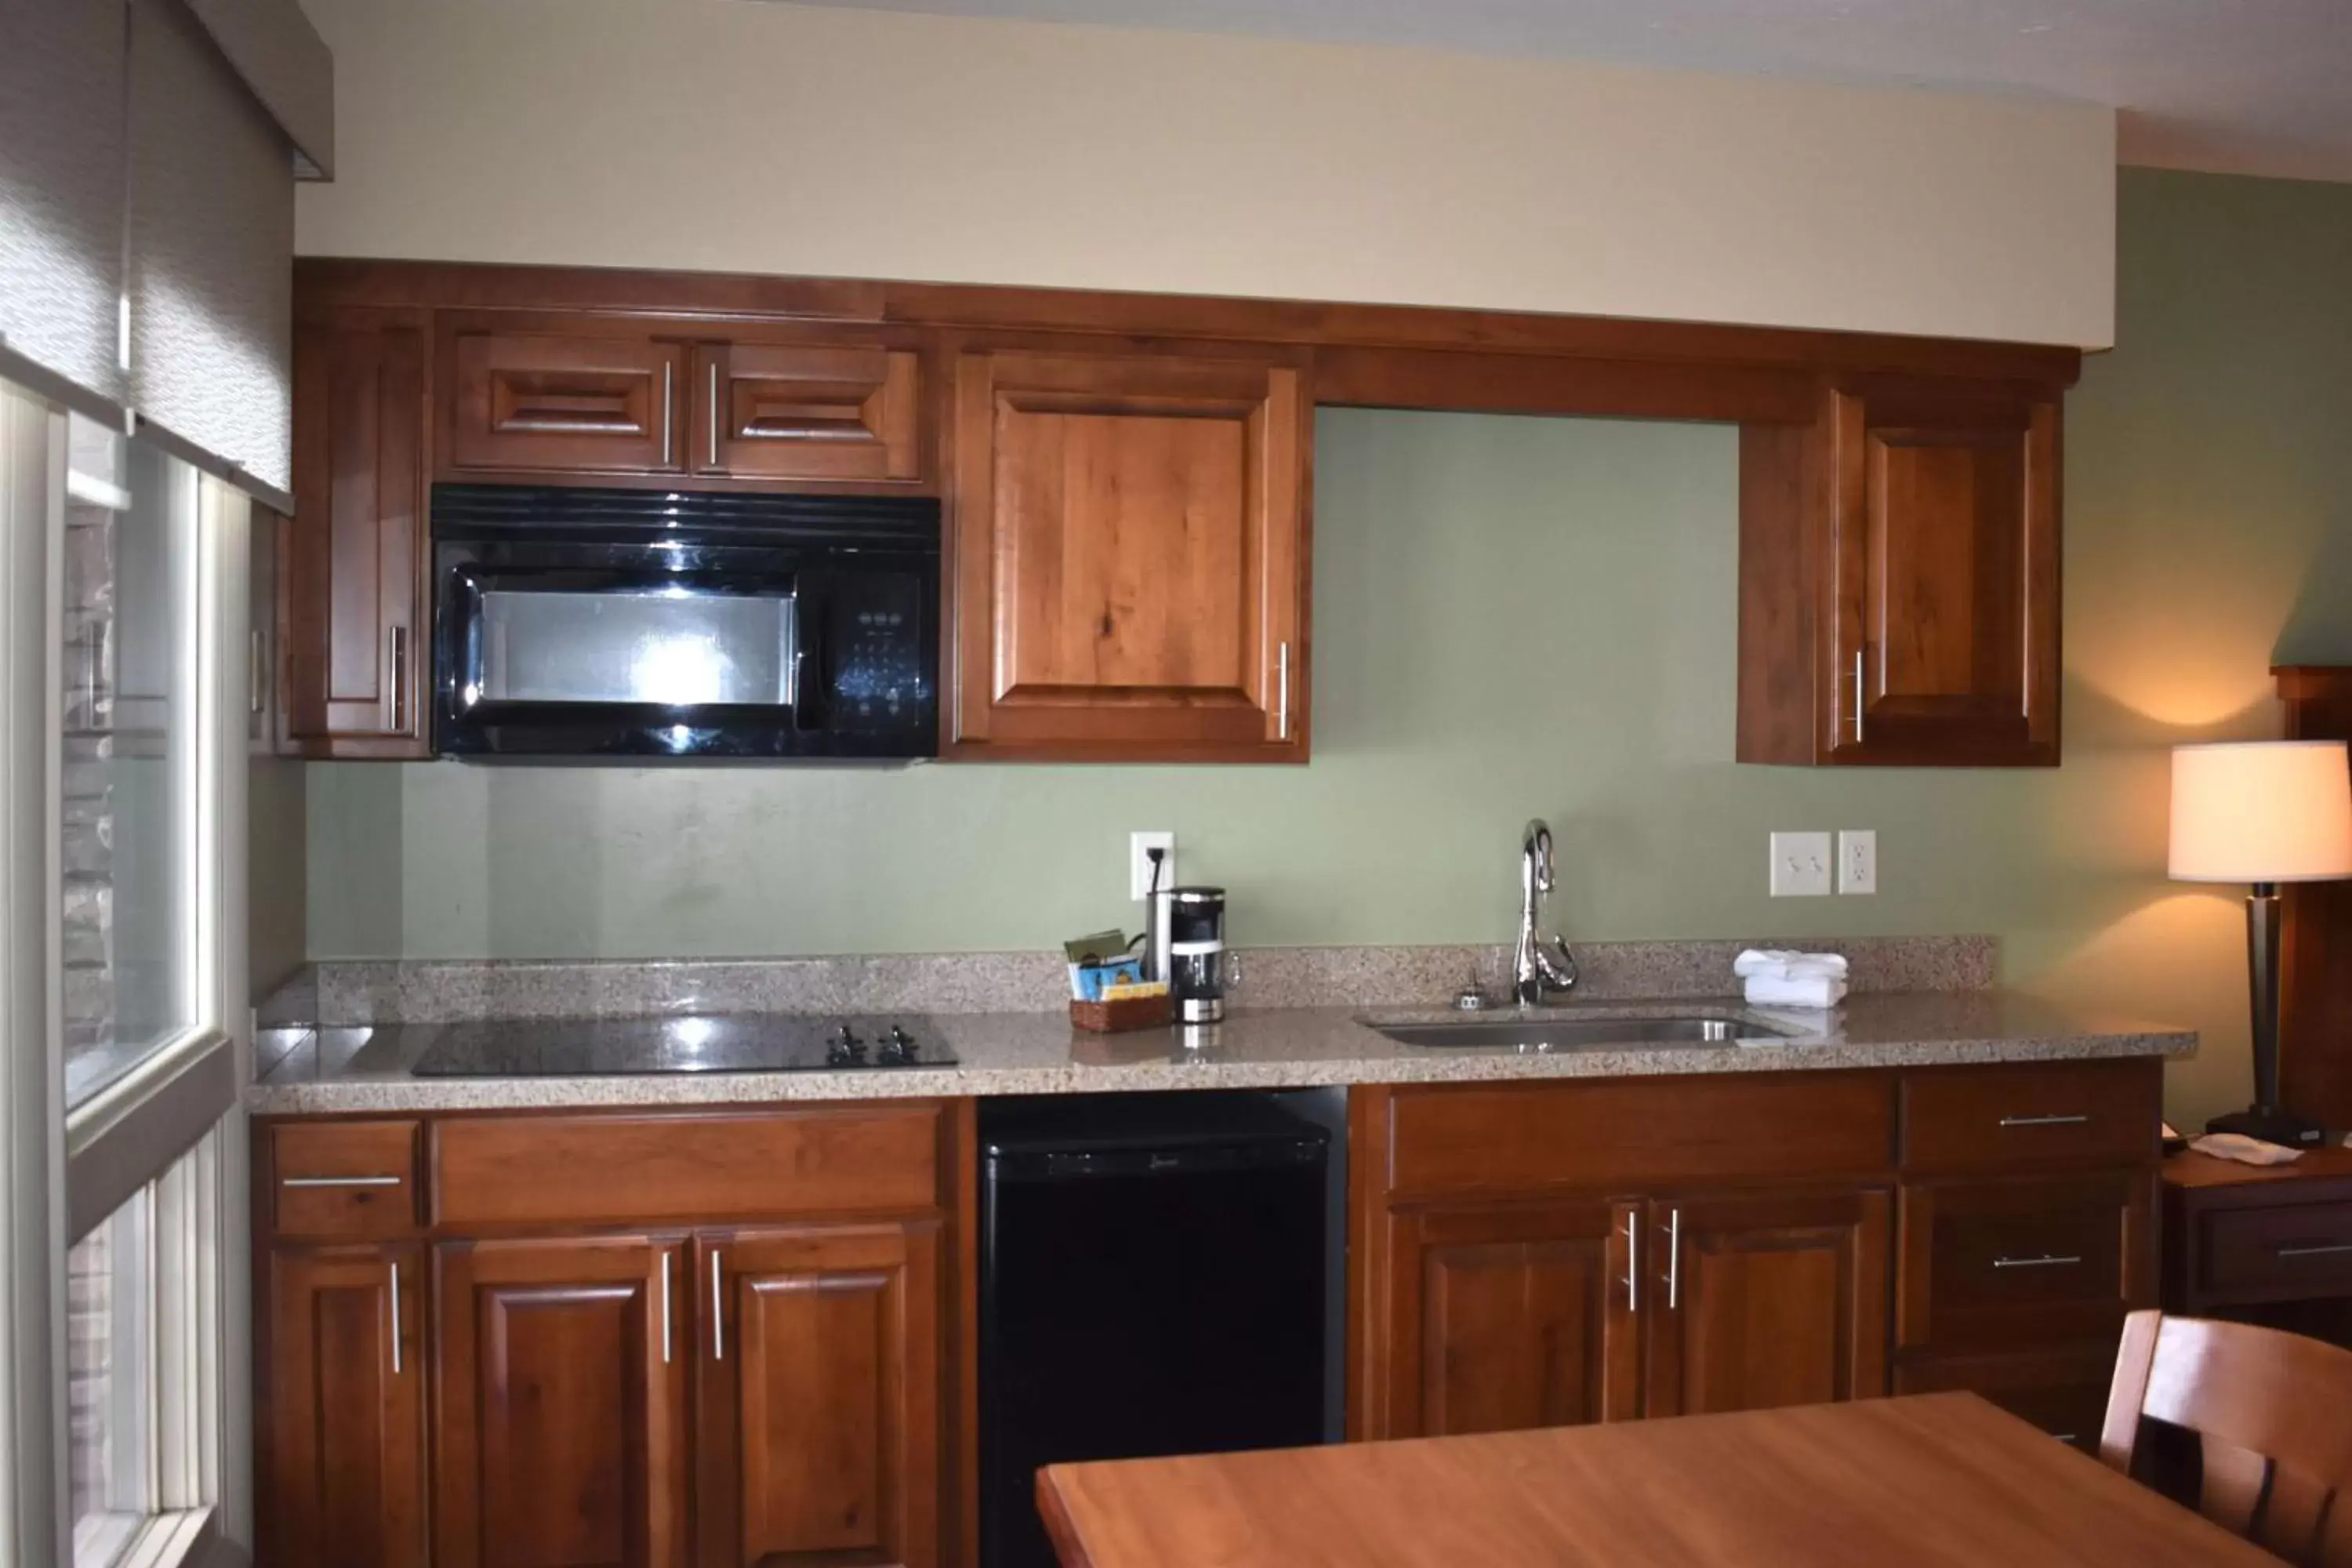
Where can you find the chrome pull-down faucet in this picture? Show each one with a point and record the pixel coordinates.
(1541, 966)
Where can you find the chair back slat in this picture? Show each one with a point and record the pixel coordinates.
(2273, 1413)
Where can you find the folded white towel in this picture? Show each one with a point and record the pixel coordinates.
(1795, 991)
(1780, 963)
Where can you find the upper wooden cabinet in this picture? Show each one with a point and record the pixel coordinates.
(1899, 567)
(807, 411)
(352, 612)
(1131, 551)
(593, 401)
(570, 402)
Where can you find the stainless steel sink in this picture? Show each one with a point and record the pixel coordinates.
(1538, 1035)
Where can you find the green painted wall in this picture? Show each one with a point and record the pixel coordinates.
(1517, 617)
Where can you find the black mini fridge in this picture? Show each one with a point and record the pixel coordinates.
(1153, 1279)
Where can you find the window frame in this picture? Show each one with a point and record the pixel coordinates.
(171, 1125)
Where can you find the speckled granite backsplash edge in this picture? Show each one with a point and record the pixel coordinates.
(340, 992)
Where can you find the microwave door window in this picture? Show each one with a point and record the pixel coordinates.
(673, 647)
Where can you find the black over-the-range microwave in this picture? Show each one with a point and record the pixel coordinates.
(604, 623)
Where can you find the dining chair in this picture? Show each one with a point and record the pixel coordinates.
(2270, 1414)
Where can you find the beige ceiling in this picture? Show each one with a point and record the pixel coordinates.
(2243, 86)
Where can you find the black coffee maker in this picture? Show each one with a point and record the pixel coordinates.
(1189, 951)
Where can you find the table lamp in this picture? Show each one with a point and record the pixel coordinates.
(2263, 813)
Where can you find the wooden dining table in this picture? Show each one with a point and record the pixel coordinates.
(1939, 1480)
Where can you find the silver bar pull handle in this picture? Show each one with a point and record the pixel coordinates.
(2066, 1120)
(2046, 1260)
(1674, 1261)
(669, 372)
(2331, 1250)
(339, 1182)
(717, 1312)
(1861, 682)
(665, 1304)
(398, 637)
(714, 413)
(1282, 693)
(256, 675)
(395, 1318)
(1633, 1263)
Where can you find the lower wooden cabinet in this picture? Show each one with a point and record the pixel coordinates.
(559, 1431)
(1555, 1314)
(1767, 1299)
(342, 1391)
(817, 1426)
(1517, 1316)
(647, 1394)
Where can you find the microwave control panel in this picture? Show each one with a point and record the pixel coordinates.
(877, 676)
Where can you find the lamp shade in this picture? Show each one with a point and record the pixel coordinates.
(2263, 811)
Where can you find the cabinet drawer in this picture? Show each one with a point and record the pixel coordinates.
(2016, 1262)
(2046, 1114)
(1614, 1136)
(2064, 1391)
(703, 1169)
(2291, 1250)
(337, 1179)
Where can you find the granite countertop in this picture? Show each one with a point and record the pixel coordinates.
(329, 1069)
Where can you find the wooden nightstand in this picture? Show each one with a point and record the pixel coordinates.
(2262, 1244)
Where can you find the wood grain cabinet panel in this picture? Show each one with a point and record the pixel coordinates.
(818, 1436)
(342, 1408)
(815, 412)
(2316, 997)
(1132, 545)
(1899, 582)
(525, 402)
(1761, 1300)
(352, 579)
(1511, 1317)
(2035, 1260)
(2064, 1391)
(560, 1404)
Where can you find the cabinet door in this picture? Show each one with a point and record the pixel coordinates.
(2024, 1261)
(1766, 1298)
(1946, 512)
(561, 1399)
(557, 404)
(817, 412)
(1507, 1318)
(818, 1428)
(343, 1409)
(1131, 539)
(353, 584)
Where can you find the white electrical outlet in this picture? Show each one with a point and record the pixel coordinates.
(1857, 865)
(1801, 865)
(1139, 863)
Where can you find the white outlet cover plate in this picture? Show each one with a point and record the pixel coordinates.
(1139, 863)
(1801, 865)
(1857, 860)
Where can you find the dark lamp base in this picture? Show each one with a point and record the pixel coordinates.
(2272, 1126)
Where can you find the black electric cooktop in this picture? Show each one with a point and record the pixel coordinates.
(581, 1048)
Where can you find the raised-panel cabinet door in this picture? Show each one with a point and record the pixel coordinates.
(524, 402)
(1946, 512)
(818, 1433)
(1131, 538)
(816, 412)
(1510, 1318)
(342, 1415)
(561, 1399)
(1762, 1300)
(352, 579)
